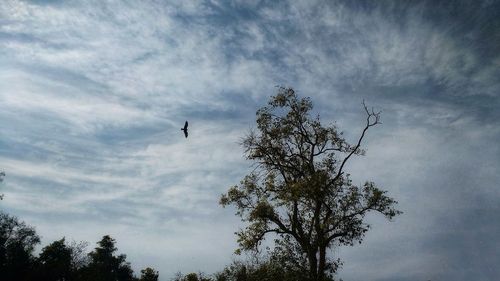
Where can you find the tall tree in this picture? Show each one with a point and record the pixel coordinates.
(300, 190)
(104, 265)
(55, 262)
(17, 243)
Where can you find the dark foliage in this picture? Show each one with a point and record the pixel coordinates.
(104, 265)
(269, 269)
(55, 262)
(191, 277)
(59, 261)
(17, 242)
(149, 274)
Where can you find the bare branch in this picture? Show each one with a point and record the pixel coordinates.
(372, 119)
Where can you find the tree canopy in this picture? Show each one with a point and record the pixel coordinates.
(56, 261)
(299, 189)
(105, 265)
(149, 274)
(59, 261)
(17, 243)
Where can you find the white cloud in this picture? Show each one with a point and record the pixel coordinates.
(93, 95)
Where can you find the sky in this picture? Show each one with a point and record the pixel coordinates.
(93, 95)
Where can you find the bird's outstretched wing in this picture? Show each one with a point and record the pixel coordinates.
(185, 129)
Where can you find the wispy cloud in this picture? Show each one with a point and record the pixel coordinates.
(93, 95)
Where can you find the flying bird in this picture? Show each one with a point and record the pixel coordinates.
(185, 129)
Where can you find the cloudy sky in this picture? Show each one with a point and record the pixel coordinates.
(93, 95)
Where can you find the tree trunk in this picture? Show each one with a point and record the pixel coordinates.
(322, 263)
(313, 266)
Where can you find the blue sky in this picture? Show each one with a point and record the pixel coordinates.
(93, 95)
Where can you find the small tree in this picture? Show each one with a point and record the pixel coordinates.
(269, 269)
(300, 190)
(191, 277)
(149, 274)
(79, 257)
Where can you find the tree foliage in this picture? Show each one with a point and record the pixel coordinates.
(59, 261)
(17, 243)
(191, 277)
(266, 269)
(300, 190)
(55, 262)
(105, 265)
(149, 274)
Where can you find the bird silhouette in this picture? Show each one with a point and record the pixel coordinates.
(185, 129)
